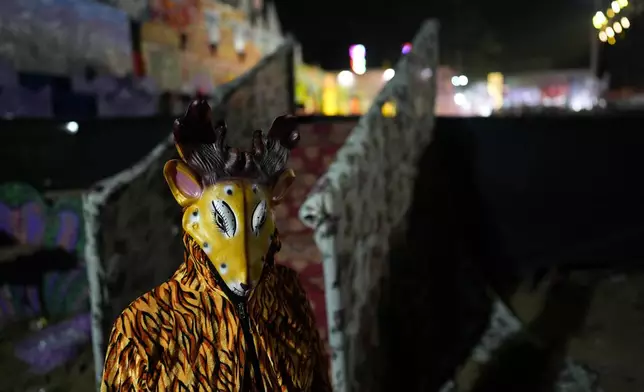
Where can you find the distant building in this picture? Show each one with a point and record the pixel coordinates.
(575, 89)
(445, 90)
(195, 48)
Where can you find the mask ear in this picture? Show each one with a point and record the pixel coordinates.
(281, 187)
(183, 183)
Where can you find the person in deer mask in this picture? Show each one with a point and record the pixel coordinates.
(230, 318)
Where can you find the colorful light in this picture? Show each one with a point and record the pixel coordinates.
(617, 27)
(357, 51)
(460, 80)
(406, 48)
(625, 22)
(71, 127)
(459, 99)
(358, 61)
(388, 109)
(346, 79)
(359, 66)
(388, 74)
(599, 20)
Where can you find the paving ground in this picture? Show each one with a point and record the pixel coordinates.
(595, 318)
(611, 340)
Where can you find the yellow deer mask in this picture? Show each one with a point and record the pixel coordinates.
(228, 195)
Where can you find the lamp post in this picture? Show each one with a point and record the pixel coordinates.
(594, 45)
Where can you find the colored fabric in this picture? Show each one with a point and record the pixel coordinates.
(188, 333)
(318, 145)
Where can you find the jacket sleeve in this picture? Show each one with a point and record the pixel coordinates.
(124, 367)
(321, 378)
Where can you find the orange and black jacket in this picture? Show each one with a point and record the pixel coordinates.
(192, 334)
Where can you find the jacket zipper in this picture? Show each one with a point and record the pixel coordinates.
(251, 353)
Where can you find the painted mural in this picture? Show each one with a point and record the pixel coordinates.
(177, 14)
(161, 55)
(60, 37)
(44, 294)
(135, 9)
(27, 222)
(189, 46)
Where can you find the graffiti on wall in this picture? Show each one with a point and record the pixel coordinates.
(27, 221)
(60, 37)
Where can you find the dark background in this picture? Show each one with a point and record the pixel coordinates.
(545, 190)
(476, 37)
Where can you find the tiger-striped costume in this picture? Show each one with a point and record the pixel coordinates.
(187, 335)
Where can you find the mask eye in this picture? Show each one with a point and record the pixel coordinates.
(259, 217)
(224, 218)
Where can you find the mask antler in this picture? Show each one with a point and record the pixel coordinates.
(202, 145)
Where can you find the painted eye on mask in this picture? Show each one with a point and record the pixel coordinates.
(259, 217)
(224, 218)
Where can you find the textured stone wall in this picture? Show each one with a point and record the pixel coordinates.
(134, 223)
(359, 203)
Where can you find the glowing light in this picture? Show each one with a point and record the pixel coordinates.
(610, 32)
(617, 27)
(622, 3)
(358, 61)
(615, 7)
(576, 106)
(406, 48)
(599, 20)
(459, 99)
(357, 51)
(495, 88)
(625, 22)
(71, 127)
(602, 36)
(346, 79)
(611, 40)
(388, 109)
(359, 66)
(485, 111)
(426, 73)
(388, 74)
(460, 80)
(610, 13)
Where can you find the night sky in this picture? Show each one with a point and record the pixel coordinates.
(475, 36)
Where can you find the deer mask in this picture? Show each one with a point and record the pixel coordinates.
(228, 195)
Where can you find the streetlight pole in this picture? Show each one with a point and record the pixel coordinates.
(594, 44)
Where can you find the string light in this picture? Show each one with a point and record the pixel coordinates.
(608, 27)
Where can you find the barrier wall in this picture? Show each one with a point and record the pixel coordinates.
(358, 203)
(132, 246)
(44, 296)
